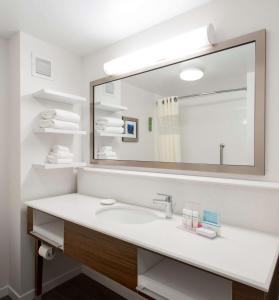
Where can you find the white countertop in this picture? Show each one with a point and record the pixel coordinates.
(238, 254)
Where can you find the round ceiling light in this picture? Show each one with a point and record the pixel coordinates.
(191, 74)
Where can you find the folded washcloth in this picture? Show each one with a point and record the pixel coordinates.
(109, 129)
(61, 154)
(54, 160)
(107, 153)
(107, 157)
(58, 124)
(110, 121)
(105, 127)
(61, 115)
(105, 148)
(57, 148)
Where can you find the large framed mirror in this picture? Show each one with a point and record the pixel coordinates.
(201, 113)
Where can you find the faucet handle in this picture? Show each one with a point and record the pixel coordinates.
(167, 202)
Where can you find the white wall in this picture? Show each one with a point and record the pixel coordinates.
(35, 147)
(26, 148)
(201, 133)
(250, 207)
(141, 105)
(14, 160)
(4, 202)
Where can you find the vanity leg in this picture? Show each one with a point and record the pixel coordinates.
(38, 270)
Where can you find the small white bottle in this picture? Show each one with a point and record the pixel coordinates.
(195, 219)
(187, 218)
(184, 217)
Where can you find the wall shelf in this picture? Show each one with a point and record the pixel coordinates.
(59, 131)
(110, 107)
(108, 134)
(47, 94)
(47, 166)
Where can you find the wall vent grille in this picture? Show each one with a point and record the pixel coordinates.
(41, 67)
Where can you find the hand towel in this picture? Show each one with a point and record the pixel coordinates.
(57, 148)
(110, 121)
(107, 157)
(107, 153)
(61, 154)
(61, 115)
(58, 124)
(105, 127)
(105, 148)
(109, 129)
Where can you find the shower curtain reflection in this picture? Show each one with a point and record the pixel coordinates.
(168, 130)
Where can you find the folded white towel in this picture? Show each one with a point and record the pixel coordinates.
(109, 129)
(107, 153)
(110, 121)
(58, 124)
(107, 157)
(61, 115)
(105, 148)
(61, 154)
(60, 160)
(105, 127)
(57, 148)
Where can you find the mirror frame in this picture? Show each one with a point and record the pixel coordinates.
(259, 37)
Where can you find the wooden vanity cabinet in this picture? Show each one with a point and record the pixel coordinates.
(117, 260)
(110, 256)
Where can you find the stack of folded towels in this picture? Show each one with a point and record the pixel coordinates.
(110, 125)
(60, 155)
(59, 119)
(105, 152)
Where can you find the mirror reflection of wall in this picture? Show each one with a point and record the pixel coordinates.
(196, 111)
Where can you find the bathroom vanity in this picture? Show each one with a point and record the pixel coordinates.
(153, 255)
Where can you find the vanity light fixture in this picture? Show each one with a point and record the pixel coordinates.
(191, 74)
(174, 48)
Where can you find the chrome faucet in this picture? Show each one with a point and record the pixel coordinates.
(168, 204)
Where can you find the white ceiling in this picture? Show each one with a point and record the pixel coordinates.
(84, 26)
(222, 70)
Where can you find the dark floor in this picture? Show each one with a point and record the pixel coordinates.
(79, 288)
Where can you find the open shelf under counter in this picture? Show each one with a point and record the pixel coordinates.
(110, 107)
(59, 131)
(47, 94)
(52, 233)
(169, 279)
(48, 166)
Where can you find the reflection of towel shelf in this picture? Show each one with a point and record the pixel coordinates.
(108, 134)
(59, 97)
(47, 166)
(59, 131)
(109, 107)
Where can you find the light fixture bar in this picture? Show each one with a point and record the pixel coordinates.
(174, 48)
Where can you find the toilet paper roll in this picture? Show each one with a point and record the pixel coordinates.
(46, 252)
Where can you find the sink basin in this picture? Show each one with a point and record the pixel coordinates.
(126, 215)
